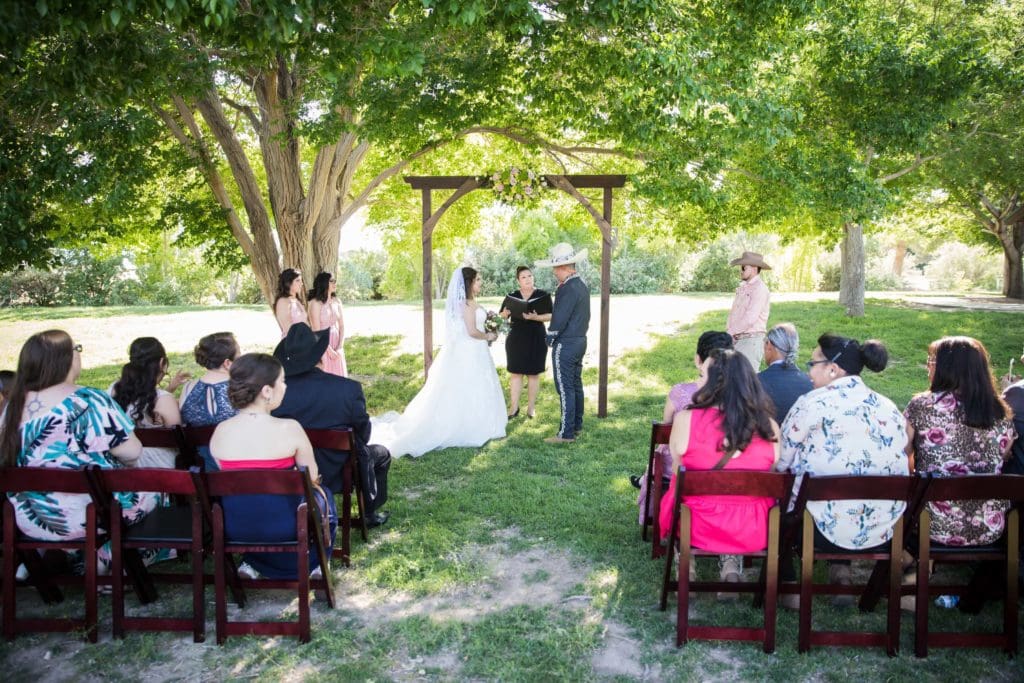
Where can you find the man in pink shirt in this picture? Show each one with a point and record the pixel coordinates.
(748, 319)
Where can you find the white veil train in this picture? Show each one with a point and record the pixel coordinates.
(461, 403)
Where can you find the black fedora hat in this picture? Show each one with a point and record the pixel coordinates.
(301, 349)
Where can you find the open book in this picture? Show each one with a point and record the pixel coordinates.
(539, 304)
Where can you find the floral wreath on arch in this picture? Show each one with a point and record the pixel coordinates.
(516, 185)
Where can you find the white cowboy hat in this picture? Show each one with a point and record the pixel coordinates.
(750, 258)
(562, 254)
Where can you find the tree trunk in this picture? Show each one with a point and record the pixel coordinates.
(899, 257)
(1013, 278)
(851, 277)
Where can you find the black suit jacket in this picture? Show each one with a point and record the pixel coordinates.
(785, 384)
(320, 400)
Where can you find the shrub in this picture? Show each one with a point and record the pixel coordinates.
(960, 267)
(31, 287)
(829, 277)
(635, 271)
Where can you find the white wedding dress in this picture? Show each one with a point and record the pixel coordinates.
(461, 403)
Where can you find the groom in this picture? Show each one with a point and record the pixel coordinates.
(567, 337)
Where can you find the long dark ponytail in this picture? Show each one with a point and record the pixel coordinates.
(136, 390)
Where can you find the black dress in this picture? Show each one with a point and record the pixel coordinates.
(525, 348)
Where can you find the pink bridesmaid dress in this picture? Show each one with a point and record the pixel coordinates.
(297, 314)
(333, 363)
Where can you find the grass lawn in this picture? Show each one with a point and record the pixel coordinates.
(523, 561)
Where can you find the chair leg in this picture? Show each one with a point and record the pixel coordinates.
(806, 578)
(669, 557)
(683, 583)
(198, 584)
(770, 585)
(10, 565)
(116, 573)
(303, 571)
(1010, 615)
(220, 562)
(91, 592)
(921, 596)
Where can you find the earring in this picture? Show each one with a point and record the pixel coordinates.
(831, 373)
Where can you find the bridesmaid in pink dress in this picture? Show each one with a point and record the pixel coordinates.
(288, 308)
(325, 314)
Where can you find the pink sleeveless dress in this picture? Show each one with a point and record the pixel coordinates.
(333, 363)
(722, 524)
(297, 314)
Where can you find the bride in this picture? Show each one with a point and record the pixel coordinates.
(462, 403)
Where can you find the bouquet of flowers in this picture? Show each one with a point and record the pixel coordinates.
(517, 186)
(495, 323)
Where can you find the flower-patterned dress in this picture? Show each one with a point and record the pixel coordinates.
(78, 431)
(945, 446)
(846, 428)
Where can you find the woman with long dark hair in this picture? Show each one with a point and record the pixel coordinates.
(288, 306)
(728, 425)
(51, 421)
(325, 314)
(960, 426)
(255, 439)
(461, 403)
(139, 394)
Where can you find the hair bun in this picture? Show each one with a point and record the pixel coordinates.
(874, 355)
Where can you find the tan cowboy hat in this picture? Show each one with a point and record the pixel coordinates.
(750, 258)
(562, 254)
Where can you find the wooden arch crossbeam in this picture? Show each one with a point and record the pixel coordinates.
(571, 185)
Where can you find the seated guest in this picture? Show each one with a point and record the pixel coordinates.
(728, 425)
(254, 439)
(139, 394)
(781, 378)
(6, 385)
(52, 422)
(1014, 397)
(843, 427)
(679, 398)
(321, 400)
(959, 427)
(204, 402)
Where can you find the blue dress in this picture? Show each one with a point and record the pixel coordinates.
(204, 406)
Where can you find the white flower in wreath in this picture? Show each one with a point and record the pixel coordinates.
(514, 171)
(528, 190)
(496, 177)
(499, 187)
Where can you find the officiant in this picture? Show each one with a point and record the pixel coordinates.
(526, 309)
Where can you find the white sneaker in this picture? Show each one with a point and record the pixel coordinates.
(729, 569)
(247, 572)
(317, 573)
(22, 573)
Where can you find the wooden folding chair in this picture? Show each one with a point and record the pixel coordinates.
(725, 483)
(178, 527)
(167, 437)
(194, 439)
(307, 525)
(660, 433)
(852, 487)
(18, 546)
(344, 440)
(1006, 550)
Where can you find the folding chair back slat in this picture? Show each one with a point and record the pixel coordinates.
(975, 487)
(193, 439)
(160, 437)
(733, 483)
(344, 440)
(43, 479)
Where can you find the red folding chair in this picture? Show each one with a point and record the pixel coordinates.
(178, 527)
(344, 440)
(725, 483)
(167, 437)
(194, 439)
(1006, 551)
(17, 546)
(853, 487)
(307, 526)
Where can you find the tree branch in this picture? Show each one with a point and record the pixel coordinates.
(538, 141)
(918, 162)
(562, 183)
(243, 109)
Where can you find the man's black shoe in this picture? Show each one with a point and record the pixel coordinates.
(377, 519)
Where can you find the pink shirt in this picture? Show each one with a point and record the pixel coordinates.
(749, 314)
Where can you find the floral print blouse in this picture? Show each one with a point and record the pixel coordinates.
(78, 431)
(846, 428)
(945, 446)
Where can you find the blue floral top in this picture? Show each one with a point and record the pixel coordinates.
(78, 431)
(207, 404)
(846, 428)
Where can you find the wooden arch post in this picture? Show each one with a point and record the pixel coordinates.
(571, 185)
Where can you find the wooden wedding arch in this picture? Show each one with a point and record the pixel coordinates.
(571, 185)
